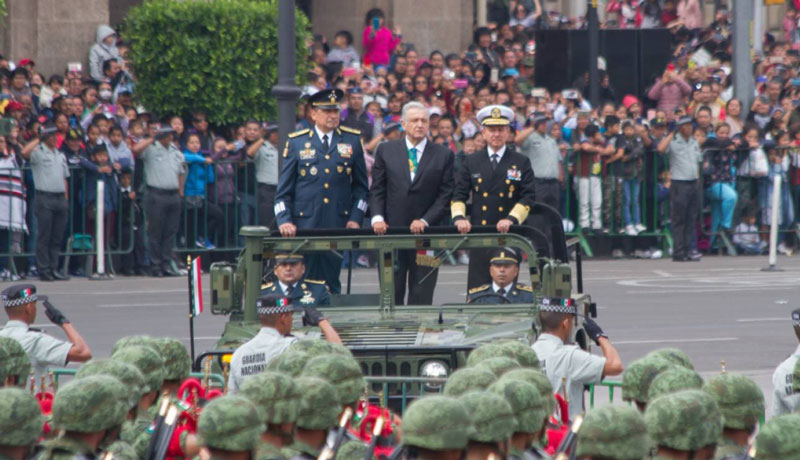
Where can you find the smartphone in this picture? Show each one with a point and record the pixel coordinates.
(494, 76)
(75, 67)
(795, 81)
(348, 72)
(538, 92)
(471, 56)
(460, 83)
(376, 23)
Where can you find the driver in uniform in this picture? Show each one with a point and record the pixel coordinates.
(290, 271)
(503, 268)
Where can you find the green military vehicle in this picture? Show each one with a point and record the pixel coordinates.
(396, 340)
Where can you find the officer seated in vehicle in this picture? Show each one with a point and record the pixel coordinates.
(503, 268)
(290, 271)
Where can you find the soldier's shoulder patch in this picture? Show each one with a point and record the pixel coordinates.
(523, 287)
(478, 289)
(298, 133)
(307, 280)
(350, 130)
(267, 285)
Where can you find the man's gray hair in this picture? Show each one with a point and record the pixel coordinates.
(415, 105)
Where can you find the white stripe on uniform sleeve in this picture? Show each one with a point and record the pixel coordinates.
(279, 207)
(362, 205)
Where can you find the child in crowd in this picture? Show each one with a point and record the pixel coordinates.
(746, 237)
(200, 174)
(131, 241)
(224, 190)
(633, 152)
(118, 151)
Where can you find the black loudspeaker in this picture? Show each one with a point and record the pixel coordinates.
(634, 57)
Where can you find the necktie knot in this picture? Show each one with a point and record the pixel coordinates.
(501, 291)
(494, 160)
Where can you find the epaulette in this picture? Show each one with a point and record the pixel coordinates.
(478, 289)
(267, 285)
(298, 133)
(308, 280)
(350, 130)
(523, 287)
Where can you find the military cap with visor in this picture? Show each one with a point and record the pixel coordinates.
(21, 418)
(495, 115)
(47, 130)
(558, 305)
(19, 294)
(326, 99)
(14, 361)
(684, 120)
(274, 304)
(163, 130)
(288, 258)
(505, 256)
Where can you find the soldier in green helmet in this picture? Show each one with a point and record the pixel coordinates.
(540, 381)
(686, 424)
(14, 364)
(494, 422)
(529, 410)
(278, 401)
(90, 411)
(612, 433)
(778, 439)
(672, 380)
(637, 378)
(128, 374)
(468, 379)
(513, 349)
(229, 426)
(316, 347)
(436, 427)
(177, 364)
(742, 404)
(674, 355)
(21, 423)
(498, 365)
(341, 371)
(291, 362)
(319, 411)
(129, 340)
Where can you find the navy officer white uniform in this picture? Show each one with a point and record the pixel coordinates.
(504, 270)
(562, 361)
(43, 350)
(323, 182)
(785, 396)
(276, 313)
(291, 282)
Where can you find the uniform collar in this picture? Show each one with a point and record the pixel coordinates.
(420, 147)
(545, 337)
(285, 287)
(796, 351)
(269, 331)
(16, 323)
(496, 287)
(499, 153)
(320, 134)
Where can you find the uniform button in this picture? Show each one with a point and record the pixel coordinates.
(500, 209)
(327, 171)
(508, 181)
(483, 207)
(325, 200)
(485, 194)
(483, 222)
(326, 185)
(327, 157)
(301, 213)
(501, 195)
(346, 213)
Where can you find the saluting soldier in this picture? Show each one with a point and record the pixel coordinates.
(785, 398)
(504, 269)
(292, 283)
(500, 182)
(323, 182)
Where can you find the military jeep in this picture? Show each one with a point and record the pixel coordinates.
(406, 340)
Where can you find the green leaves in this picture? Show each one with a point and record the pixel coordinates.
(217, 55)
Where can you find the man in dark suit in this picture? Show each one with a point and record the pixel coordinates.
(500, 181)
(323, 182)
(412, 182)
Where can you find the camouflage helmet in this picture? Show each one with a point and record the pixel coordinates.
(672, 380)
(525, 400)
(90, 404)
(316, 347)
(21, 418)
(230, 422)
(177, 363)
(468, 379)
(275, 396)
(147, 360)
(616, 432)
(498, 365)
(673, 355)
(778, 439)
(521, 352)
(491, 415)
(739, 399)
(437, 423)
(122, 450)
(639, 375)
(539, 380)
(320, 404)
(127, 341)
(290, 362)
(687, 420)
(13, 361)
(343, 372)
(128, 374)
(351, 451)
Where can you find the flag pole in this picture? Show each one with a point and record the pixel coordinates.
(191, 306)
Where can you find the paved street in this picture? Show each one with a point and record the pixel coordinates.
(718, 309)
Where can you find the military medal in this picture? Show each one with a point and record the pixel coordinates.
(313, 170)
(345, 150)
(307, 299)
(303, 172)
(340, 169)
(307, 153)
(510, 191)
(513, 174)
(349, 170)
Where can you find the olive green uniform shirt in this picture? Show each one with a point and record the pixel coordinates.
(684, 158)
(49, 169)
(266, 159)
(162, 166)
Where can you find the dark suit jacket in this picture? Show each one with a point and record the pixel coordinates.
(399, 200)
(506, 192)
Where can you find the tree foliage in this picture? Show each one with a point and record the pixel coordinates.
(220, 56)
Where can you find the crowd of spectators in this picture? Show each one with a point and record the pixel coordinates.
(613, 178)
